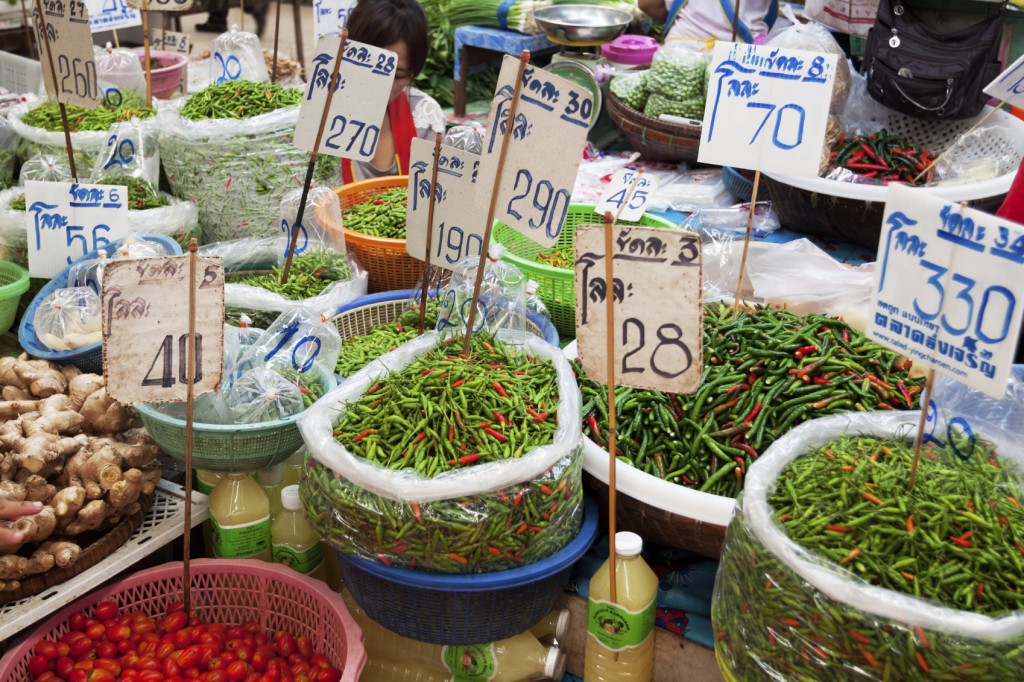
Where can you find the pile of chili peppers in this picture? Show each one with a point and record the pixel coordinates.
(765, 371)
(886, 156)
(561, 258)
(359, 351)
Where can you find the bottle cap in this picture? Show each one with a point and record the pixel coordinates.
(628, 544)
(562, 626)
(290, 498)
(271, 475)
(552, 660)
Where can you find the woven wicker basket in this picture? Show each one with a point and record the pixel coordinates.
(386, 261)
(656, 140)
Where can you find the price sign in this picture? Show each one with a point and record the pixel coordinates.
(159, 5)
(330, 16)
(106, 15)
(145, 328)
(1009, 86)
(767, 108)
(68, 220)
(170, 41)
(360, 99)
(615, 197)
(65, 28)
(948, 288)
(658, 347)
(549, 132)
(458, 220)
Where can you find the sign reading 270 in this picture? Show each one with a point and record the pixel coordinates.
(767, 108)
(548, 132)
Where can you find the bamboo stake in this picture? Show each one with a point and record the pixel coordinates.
(32, 49)
(145, 47)
(312, 159)
(746, 242)
(524, 59)
(926, 397)
(190, 374)
(277, 33)
(53, 75)
(430, 232)
(117, 41)
(735, 19)
(241, 8)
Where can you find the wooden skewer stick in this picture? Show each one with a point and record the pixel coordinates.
(117, 41)
(430, 231)
(145, 48)
(746, 243)
(241, 8)
(735, 19)
(294, 237)
(53, 75)
(32, 49)
(190, 373)
(277, 33)
(960, 139)
(926, 397)
(524, 59)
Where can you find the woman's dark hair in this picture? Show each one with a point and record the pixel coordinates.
(385, 22)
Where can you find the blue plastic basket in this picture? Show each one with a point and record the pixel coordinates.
(460, 609)
(87, 358)
(740, 186)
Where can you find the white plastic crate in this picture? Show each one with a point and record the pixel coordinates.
(20, 74)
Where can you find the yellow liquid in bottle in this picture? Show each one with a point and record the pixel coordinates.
(204, 482)
(623, 624)
(294, 542)
(240, 519)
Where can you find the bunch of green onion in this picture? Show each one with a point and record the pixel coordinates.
(485, 13)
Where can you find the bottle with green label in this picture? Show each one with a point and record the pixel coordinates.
(295, 543)
(240, 519)
(204, 482)
(620, 635)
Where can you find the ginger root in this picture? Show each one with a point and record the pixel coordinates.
(64, 553)
(41, 378)
(81, 387)
(14, 566)
(103, 414)
(15, 393)
(37, 489)
(33, 529)
(67, 502)
(90, 517)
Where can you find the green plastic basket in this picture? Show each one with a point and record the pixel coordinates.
(228, 448)
(556, 285)
(13, 283)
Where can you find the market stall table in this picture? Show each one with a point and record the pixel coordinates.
(476, 45)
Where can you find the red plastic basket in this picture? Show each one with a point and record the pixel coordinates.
(232, 592)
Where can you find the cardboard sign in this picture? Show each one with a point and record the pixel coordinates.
(360, 99)
(615, 199)
(767, 108)
(458, 220)
(67, 220)
(548, 135)
(658, 346)
(145, 328)
(159, 5)
(65, 24)
(1009, 86)
(170, 41)
(949, 288)
(107, 15)
(330, 16)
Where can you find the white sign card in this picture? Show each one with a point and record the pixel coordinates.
(145, 328)
(66, 26)
(107, 15)
(159, 5)
(767, 108)
(359, 103)
(949, 288)
(67, 220)
(658, 347)
(330, 16)
(170, 41)
(548, 135)
(621, 185)
(1009, 86)
(458, 229)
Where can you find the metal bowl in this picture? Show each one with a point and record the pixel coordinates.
(576, 24)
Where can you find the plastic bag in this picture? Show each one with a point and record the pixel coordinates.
(89, 273)
(983, 154)
(119, 71)
(836, 626)
(631, 88)
(690, 190)
(679, 74)
(342, 490)
(68, 318)
(321, 222)
(8, 153)
(468, 137)
(299, 341)
(594, 174)
(534, 305)
(238, 55)
(262, 395)
(502, 301)
(814, 37)
(45, 168)
(658, 105)
(131, 150)
(862, 114)
(855, 17)
(132, 247)
(721, 255)
(86, 144)
(734, 219)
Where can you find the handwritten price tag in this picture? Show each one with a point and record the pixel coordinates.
(767, 108)
(145, 328)
(458, 220)
(65, 24)
(360, 99)
(330, 16)
(170, 41)
(159, 5)
(106, 15)
(621, 185)
(948, 288)
(548, 135)
(1009, 86)
(658, 347)
(68, 220)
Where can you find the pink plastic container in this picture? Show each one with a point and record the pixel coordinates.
(229, 591)
(630, 50)
(166, 78)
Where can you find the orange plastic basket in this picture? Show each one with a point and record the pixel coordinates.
(386, 261)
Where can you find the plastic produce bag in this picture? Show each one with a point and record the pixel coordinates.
(734, 219)
(534, 305)
(86, 144)
(983, 154)
(132, 247)
(45, 168)
(679, 74)
(68, 318)
(468, 137)
(119, 72)
(658, 104)
(862, 114)
(8, 153)
(238, 55)
(631, 88)
(502, 301)
(263, 395)
(814, 37)
(690, 190)
(480, 506)
(298, 342)
(321, 222)
(783, 612)
(89, 273)
(131, 150)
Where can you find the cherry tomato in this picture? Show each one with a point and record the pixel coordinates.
(171, 667)
(95, 631)
(64, 666)
(129, 676)
(46, 649)
(125, 647)
(78, 675)
(165, 649)
(175, 621)
(259, 660)
(237, 671)
(212, 640)
(189, 656)
(251, 626)
(183, 637)
(109, 664)
(300, 668)
(47, 676)
(174, 678)
(106, 610)
(118, 632)
(285, 644)
(303, 646)
(80, 646)
(106, 649)
(297, 658)
(143, 625)
(85, 664)
(39, 664)
(151, 676)
(217, 676)
(100, 675)
(77, 621)
(149, 663)
(319, 661)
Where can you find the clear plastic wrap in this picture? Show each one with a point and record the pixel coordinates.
(321, 222)
(977, 156)
(45, 168)
(299, 341)
(783, 612)
(631, 88)
(502, 301)
(688, 191)
(131, 150)
(679, 74)
(132, 247)
(68, 318)
(237, 55)
(262, 395)
(814, 37)
(8, 153)
(365, 509)
(658, 104)
(469, 137)
(721, 254)
(89, 273)
(86, 144)
(534, 304)
(734, 219)
(119, 71)
(862, 114)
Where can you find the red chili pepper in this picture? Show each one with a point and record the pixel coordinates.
(867, 166)
(503, 497)
(499, 389)
(838, 529)
(546, 490)
(592, 423)
(373, 389)
(722, 408)
(747, 449)
(878, 382)
(910, 523)
(736, 388)
(500, 437)
(753, 414)
(518, 498)
(399, 326)
(227, 185)
(489, 347)
(459, 559)
(522, 529)
(499, 417)
(378, 202)
(426, 372)
(458, 383)
(384, 558)
(920, 661)
(959, 541)
(906, 394)
(805, 350)
(362, 435)
(821, 380)
(871, 498)
(857, 636)
(421, 435)
(465, 459)
(792, 622)
(416, 511)
(495, 552)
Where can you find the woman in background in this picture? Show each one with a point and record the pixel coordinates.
(704, 21)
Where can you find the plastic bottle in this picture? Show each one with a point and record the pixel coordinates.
(517, 658)
(294, 543)
(293, 467)
(271, 480)
(386, 670)
(240, 519)
(552, 627)
(620, 636)
(204, 482)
